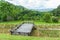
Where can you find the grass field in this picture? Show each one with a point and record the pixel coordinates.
(16, 37)
(18, 22)
(11, 22)
(43, 35)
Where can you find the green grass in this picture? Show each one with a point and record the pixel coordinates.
(11, 22)
(18, 22)
(38, 23)
(17, 37)
(50, 33)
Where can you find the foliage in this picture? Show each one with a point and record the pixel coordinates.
(56, 12)
(47, 17)
(55, 19)
(10, 12)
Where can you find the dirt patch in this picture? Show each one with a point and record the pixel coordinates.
(4, 30)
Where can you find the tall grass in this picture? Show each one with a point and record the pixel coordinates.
(5, 27)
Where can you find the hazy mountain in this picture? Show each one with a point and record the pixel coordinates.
(43, 10)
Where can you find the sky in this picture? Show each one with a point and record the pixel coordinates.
(36, 4)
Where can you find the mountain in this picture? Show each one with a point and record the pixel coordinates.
(44, 10)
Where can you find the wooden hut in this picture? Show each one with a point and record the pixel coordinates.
(24, 29)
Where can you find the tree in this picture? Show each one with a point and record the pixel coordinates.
(56, 12)
(55, 19)
(9, 11)
(47, 17)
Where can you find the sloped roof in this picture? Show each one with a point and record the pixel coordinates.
(26, 28)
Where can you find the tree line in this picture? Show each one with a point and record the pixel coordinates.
(9, 12)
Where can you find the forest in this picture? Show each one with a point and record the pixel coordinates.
(10, 12)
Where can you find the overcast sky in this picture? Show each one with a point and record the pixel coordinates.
(36, 4)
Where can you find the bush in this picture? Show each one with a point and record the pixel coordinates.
(47, 17)
(55, 19)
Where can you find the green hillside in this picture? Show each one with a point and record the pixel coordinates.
(10, 12)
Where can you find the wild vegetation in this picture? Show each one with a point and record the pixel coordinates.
(5, 28)
(9, 12)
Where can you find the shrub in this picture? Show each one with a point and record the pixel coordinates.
(55, 19)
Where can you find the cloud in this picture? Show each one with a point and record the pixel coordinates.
(52, 3)
(36, 4)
